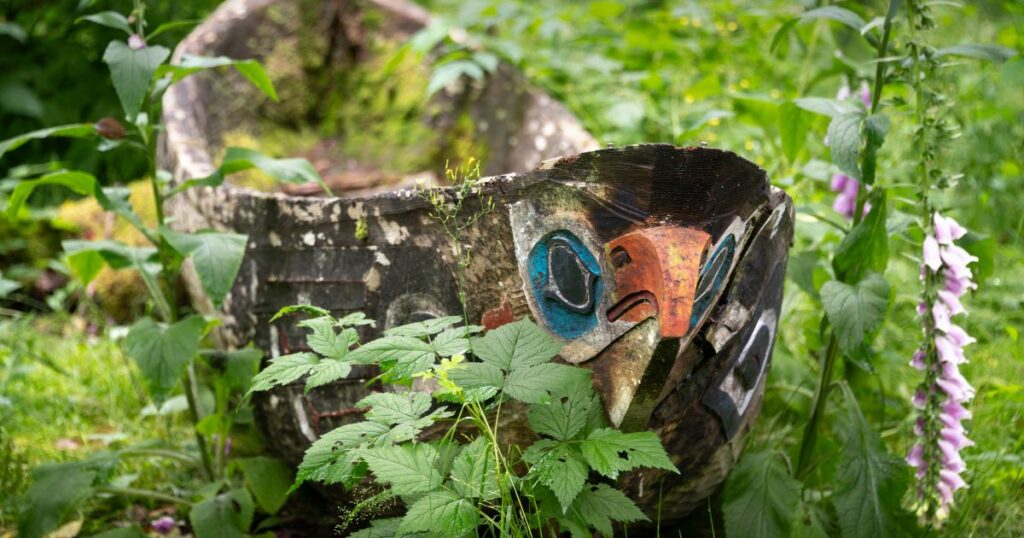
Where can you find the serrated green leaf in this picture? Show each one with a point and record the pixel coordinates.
(565, 416)
(866, 247)
(269, 480)
(110, 19)
(325, 341)
(163, 351)
(451, 341)
(516, 345)
(74, 130)
(330, 459)
(761, 498)
(441, 512)
(599, 505)
(283, 370)
(227, 515)
(423, 328)
(561, 468)
(610, 451)
(380, 528)
(327, 371)
(825, 106)
(844, 141)
(855, 311)
(216, 257)
(479, 381)
(304, 308)
(472, 471)
(392, 408)
(409, 469)
(869, 480)
(410, 355)
(537, 384)
(132, 71)
(355, 319)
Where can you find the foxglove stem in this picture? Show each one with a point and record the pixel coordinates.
(939, 399)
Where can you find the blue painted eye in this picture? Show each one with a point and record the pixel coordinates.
(565, 280)
(712, 275)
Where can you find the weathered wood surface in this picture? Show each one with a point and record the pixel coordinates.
(680, 252)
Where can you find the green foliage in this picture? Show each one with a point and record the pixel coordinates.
(855, 311)
(216, 257)
(761, 498)
(224, 516)
(269, 479)
(132, 71)
(453, 488)
(163, 351)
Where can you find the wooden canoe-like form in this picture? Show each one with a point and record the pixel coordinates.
(660, 268)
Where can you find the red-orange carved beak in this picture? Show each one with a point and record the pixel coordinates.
(656, 271)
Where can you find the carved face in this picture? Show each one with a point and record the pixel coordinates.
(626, 265)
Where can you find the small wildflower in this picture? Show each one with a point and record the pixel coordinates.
(135, 42)
(163, 525)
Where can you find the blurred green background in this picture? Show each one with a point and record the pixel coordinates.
(681, 72)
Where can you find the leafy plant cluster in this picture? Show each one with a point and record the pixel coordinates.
(444, 452)
(166, 344)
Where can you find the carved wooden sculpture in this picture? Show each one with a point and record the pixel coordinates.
(660, 268)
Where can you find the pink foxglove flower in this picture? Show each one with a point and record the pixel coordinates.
(940, 398)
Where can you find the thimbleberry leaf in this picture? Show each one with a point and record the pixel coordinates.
(516, 345)
(441, 512)
(472, 472)
(409, 469)
(283, 370)
(536, 384)
(599, 505)
(423, 328)
(610, 451)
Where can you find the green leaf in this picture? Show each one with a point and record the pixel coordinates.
(410, 355)
(442, 513)
(473, 471)
(447, 73)
(304, 308)
(74, 130)
(78, 182)
(599, 505)
(227, 515)
(479, 381)
(866, 247)
(794, 124)
(85, 265)
(296, 171)
(826, 107)
(453, 341)
(423, 328)
(325, 341)
(269, 479)
(761, 498)
(563, 417)
(855, 311)
(110, 19)
(409, 469)
(610, 451)
(835, 13)
(985, 249)
(844, 142)
(516, 345)
(283, 370)
(13, 31)
(168, 26)
(132, 71)
(216, 256)
(330, 459)
(242, 365)
(355, 319)
(7, 286)
(560, 467)
(56, 489)
(392, 408)
(990, 53)
(380, 528)
(869, 481)
(163, 351)
(536, 384)
(876, 126)
(250, 69)
(327, 371)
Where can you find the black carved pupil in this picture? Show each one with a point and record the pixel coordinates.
(567, 272)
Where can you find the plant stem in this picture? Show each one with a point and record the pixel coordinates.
(191, 390)
(160, 453)
(818, 407)
(143, 493)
